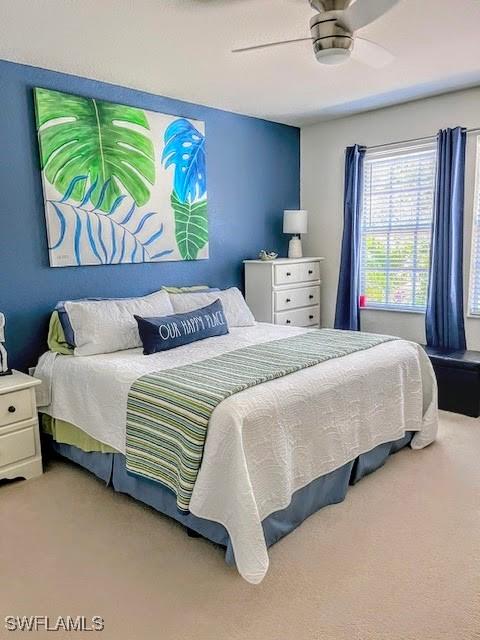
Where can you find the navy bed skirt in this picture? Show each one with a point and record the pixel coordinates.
(328, 489)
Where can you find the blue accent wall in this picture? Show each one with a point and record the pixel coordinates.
(253, 169)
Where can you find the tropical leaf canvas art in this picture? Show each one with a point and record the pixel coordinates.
(121, 184)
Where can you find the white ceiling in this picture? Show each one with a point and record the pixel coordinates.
(181, 48)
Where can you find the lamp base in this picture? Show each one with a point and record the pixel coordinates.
(295, 248)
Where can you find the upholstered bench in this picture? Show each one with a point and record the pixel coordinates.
(458, 377)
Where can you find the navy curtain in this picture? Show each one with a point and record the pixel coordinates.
(347, 313)
(444, 316)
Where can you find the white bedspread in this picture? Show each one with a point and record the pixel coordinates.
(268, 441)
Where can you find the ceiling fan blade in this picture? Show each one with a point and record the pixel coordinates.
(371, 53)
(269, 44)
(363, 12)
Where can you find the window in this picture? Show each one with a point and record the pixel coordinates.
(396, 225)
(474, 301)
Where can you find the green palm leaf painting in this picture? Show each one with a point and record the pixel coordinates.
(121, 184)
(83, 136)
(191, 226)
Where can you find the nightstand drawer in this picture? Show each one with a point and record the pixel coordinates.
(299, 317)
(298, 272)
(17, 446)
(293, 298)
(15, 407)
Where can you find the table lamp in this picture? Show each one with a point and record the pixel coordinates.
(4, 370)
(295, 221)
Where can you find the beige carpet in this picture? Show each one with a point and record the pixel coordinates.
(398, 560)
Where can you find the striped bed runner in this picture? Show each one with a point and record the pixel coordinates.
(168, 411)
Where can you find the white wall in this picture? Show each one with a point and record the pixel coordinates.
(323, 147)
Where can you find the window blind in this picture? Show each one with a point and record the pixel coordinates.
(474, 293)
(396, 225)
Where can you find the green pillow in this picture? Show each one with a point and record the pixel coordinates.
(197, 287)
(56, 337)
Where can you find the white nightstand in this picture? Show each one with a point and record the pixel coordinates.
(284, 291)
(20, 453)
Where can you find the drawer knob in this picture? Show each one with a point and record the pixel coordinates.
(310, 297)
(288, 300)
(11, 409)
(310, 272)
(310, 317)
(288, 273)
(287, 322)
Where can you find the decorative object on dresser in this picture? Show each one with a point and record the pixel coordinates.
(20, 453)
(296, 223)
(267, 255)
(284, 291)
(4, 370)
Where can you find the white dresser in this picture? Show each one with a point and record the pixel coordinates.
(284, 291)
(20, 453)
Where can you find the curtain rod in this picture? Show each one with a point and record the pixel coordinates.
(424, 139)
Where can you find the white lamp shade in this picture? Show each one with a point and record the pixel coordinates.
(295, 221)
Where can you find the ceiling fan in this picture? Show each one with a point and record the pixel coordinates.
(333, 32)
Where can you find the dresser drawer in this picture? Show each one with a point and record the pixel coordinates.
(17, 446)
(16, 406)
(298, 272)
(307, 317)
(293, 298)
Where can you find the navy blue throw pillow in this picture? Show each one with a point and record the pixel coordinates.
(168, 332)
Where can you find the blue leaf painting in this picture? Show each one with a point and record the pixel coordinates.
(185, 149)
(122, 234)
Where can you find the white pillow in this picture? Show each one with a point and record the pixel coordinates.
(104, 326)
(236, 310)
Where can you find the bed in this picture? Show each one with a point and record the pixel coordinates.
(275, 453)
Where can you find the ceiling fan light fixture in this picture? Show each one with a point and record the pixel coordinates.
(332, 56)
(332, 43)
